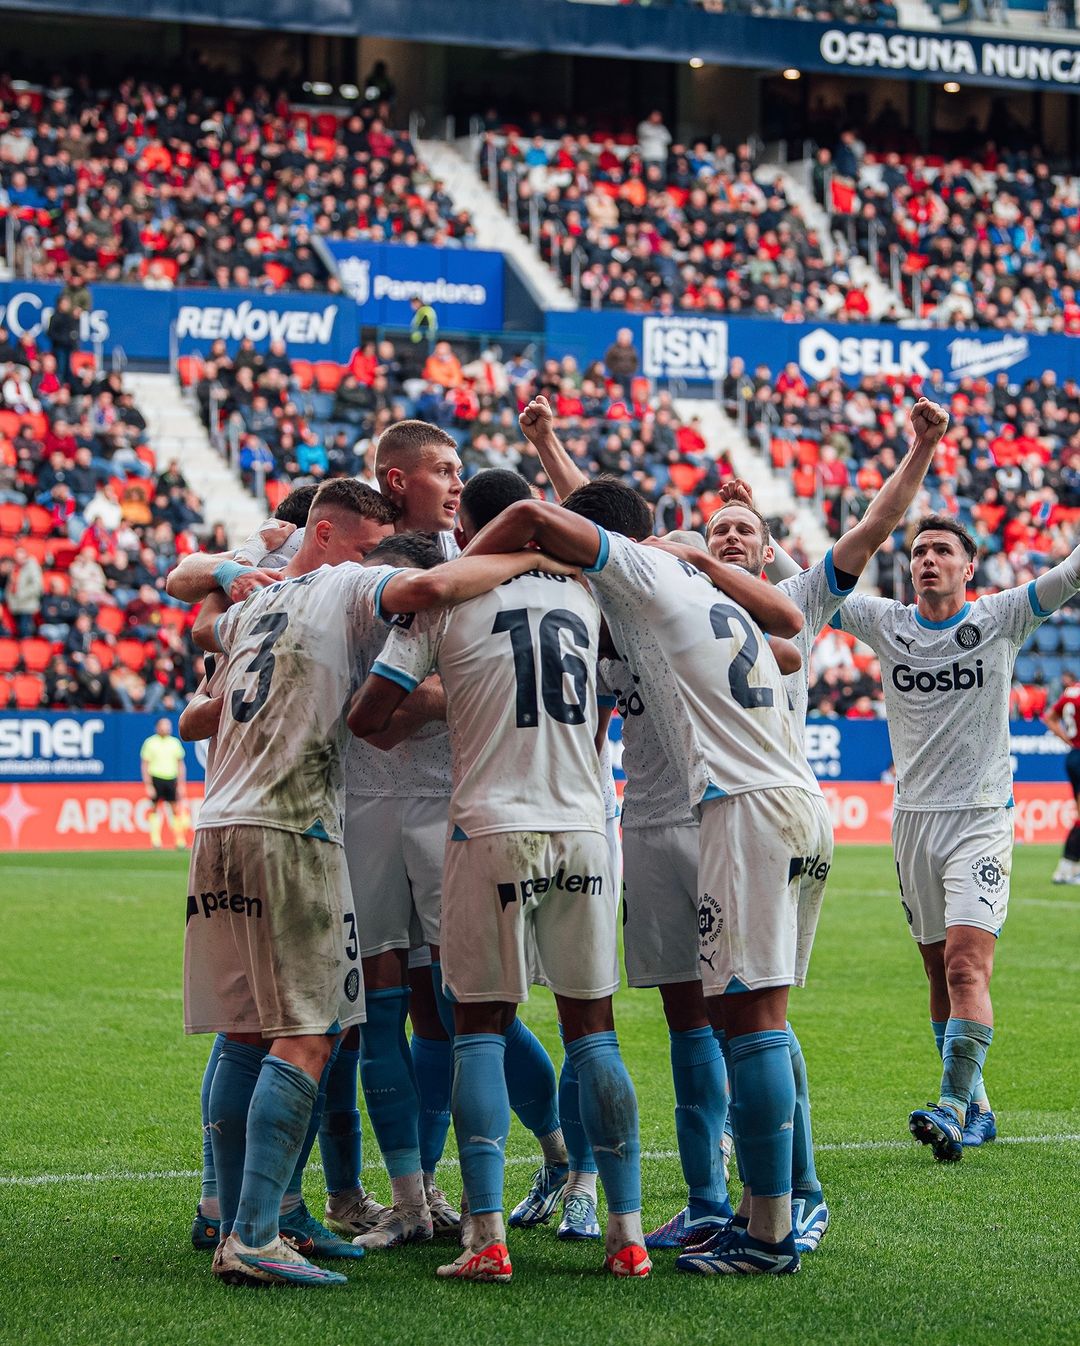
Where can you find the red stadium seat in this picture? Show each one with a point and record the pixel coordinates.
(131, 653)
(12, 519)
(5, 691)
(189, 369)
(28, 690)
(35, 653)
(104, 652)
(9, 655)
(40, 521)
(328, 375)
(175, 619)
(303, 374)
(276, 491)
(109, 619)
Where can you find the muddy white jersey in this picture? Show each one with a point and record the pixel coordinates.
(947, 688)
(655, 794)
(715, 695)
(519, 668)
(293, 649)
(215, 665)
(817, 594)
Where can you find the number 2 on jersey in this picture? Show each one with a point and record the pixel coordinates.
(554, 665)
(752, 698)
(274, 623)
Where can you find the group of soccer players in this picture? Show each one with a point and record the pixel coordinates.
(462, 845)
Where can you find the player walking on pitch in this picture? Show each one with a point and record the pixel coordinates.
(164, 776)
(947, 667)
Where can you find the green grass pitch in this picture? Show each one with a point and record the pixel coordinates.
(99, 1139)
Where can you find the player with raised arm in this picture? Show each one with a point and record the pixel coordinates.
(738, 534)
(1063, 719)
(720, 711)
(527, 882)
(271, 955)
(946, 667)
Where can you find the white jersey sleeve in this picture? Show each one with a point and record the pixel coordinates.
(713, 689)
(216, 665)
(656, 793)
(293, 653)
(817, 594)
(519, 668)
(947, 687)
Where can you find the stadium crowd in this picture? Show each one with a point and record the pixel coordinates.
(89, 528)
(988, 240)
(171, 184)
(666, 227)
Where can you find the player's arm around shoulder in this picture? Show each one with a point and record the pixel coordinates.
(787, 656)
(773, 611)
(560, 533)
(457, 581)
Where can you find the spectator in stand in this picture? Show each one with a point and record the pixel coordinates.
(442, 367)
(621, 357)
(63, 334)
(654, 138)
(24, 592)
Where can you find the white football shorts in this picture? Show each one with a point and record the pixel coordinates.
(764, 859)
(660, 925)
(271, 945)
(395, 850)
(954, 867)
(521, 907)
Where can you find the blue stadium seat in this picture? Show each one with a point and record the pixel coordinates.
(321, 405)
(1048, 638)
(1070, 637)
(1052, 665)
(1027, 668)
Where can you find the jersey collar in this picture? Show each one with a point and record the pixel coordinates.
(942, 626)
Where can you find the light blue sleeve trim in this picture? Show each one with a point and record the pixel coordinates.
(377, 601)
(713, 792)
(830, 575)
(602, 555)
(395, 675)
(217, 635)
(1033, 598)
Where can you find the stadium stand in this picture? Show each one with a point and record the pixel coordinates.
(161, 185)
(652, 225)
(989, 239)
(89, 527)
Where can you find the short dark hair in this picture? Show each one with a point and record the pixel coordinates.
(353, 497)
(941, 523)
(415, 550)
(490, 492)
(614, 506)
(296, 506)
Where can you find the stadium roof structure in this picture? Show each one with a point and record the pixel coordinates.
(679, 32)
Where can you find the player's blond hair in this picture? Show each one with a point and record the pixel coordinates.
(766, 536)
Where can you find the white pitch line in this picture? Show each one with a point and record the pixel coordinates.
(516, 1161)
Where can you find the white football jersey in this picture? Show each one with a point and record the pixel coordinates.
(655, 794)
(947, 688)
(519, 668)
(293, 650)
(605, 699)
(817, 594)
(216, 664)
(418, 768)
(715, 694)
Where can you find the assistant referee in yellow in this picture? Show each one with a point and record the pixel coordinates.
(165, 779)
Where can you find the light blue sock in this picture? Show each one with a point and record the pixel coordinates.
(443, 1003)
(578, 1150)
(340, 1131)
(209, 1177)
(729, 1125)
(386, 1074)
(978, 1094)
(697, 1067)
(278, 1122)
(610, 1117)
(530, 1080)
(234, 1083)
(764, 1104)
(433, 1064)
(294, 1192)
(804, 1178)
(481, 1111)
(966, 1043)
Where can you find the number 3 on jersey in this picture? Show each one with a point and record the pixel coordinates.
(274, 624)
(752, 698)
(555, 665)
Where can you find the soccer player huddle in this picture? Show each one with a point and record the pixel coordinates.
(462, 844)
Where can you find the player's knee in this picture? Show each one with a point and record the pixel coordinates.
(684, 1006)
(966, 971)
(581, 1018)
